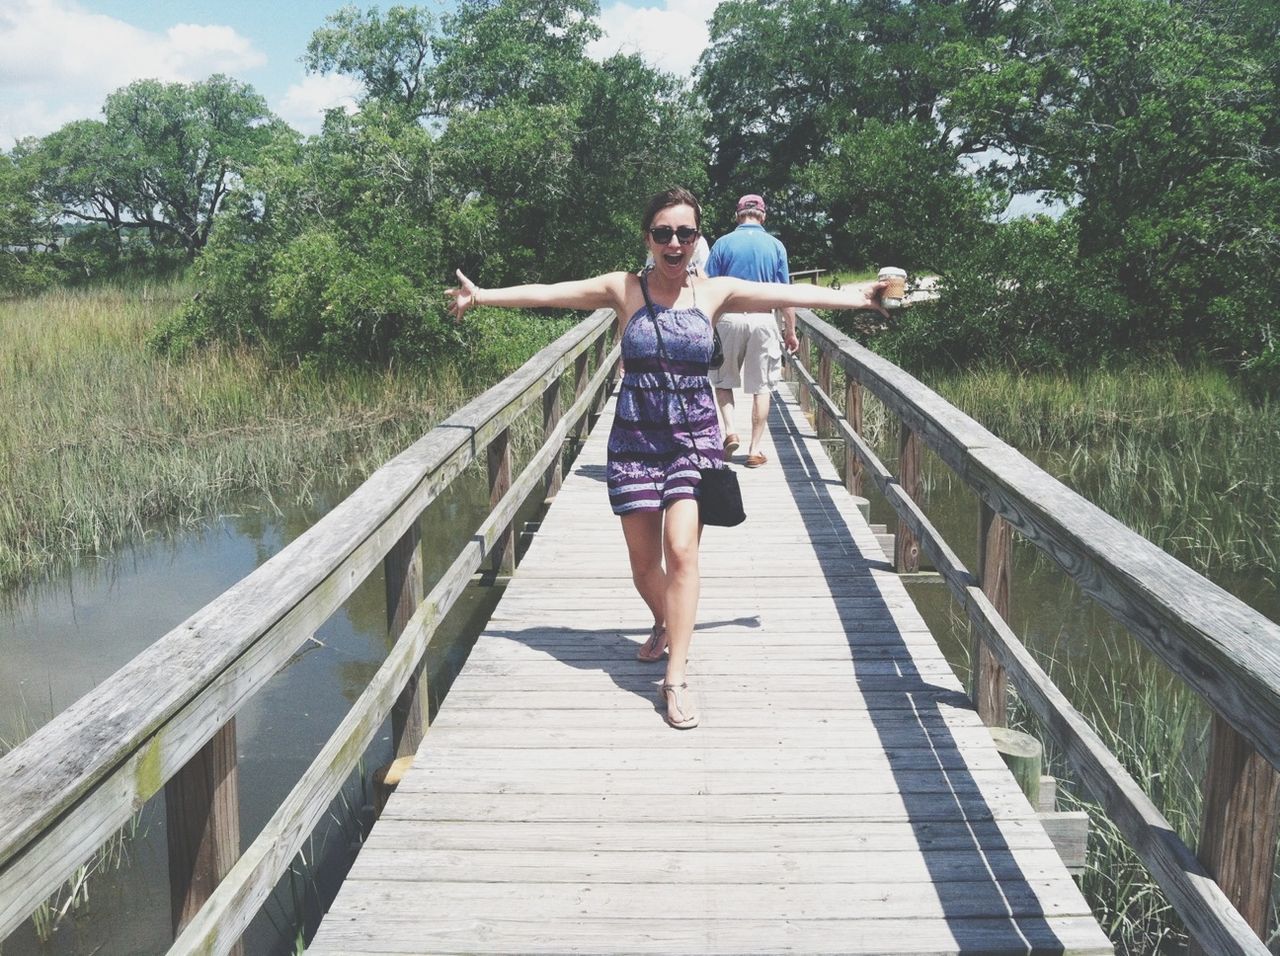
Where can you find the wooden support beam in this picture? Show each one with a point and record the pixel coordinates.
(906, 555)
(504, 552)
(402, 572)
(824, 382)
(853, 412)
(1239, 825)
(550, 419)
(995, 550)
(202, 821)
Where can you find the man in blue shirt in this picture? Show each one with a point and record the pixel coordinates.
(752, 352)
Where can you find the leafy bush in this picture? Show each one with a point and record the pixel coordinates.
(1020, 295)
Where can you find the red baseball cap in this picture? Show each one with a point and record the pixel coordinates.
(750, 201)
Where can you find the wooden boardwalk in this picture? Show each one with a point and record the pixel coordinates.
(840, 795)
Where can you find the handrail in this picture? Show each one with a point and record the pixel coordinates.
(78, 779)
(1225, 650)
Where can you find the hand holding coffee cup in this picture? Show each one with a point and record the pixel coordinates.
(895, 290)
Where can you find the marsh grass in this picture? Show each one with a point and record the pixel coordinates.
(103, 441)
(73, 895)
(1157, 728)
(1179, 455)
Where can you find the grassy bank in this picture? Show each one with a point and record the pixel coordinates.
(102, 440)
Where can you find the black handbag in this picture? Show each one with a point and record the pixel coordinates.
(719, 495)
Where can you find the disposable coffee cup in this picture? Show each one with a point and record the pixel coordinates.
(896, 290)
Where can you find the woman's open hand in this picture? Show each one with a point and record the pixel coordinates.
(464, 296)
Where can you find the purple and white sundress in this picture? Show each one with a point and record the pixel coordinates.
(657, 446)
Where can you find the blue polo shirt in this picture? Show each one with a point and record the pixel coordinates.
(749, 253)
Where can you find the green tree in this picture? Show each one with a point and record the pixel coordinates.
(789, 81)
(27, 237)
(516, 158)
(393, 55)
(497, 52)
(1157, 123)
(161, 162)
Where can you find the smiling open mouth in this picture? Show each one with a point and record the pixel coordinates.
(673, 257)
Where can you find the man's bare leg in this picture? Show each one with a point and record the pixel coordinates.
(724, 399)
(759, 419)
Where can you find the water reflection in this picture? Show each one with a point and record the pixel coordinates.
(60, 638)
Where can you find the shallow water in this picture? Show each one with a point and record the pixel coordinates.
(60, 638)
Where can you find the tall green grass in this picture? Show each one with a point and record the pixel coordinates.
(1179, 455)
(1157, 728)
(102, 440)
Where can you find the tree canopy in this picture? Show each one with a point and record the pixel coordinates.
(881, 131)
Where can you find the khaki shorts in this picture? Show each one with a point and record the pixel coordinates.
(752, 352)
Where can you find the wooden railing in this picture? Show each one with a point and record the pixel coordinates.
(1227, 652)
(167, 719)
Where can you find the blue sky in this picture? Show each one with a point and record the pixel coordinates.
(60, 58)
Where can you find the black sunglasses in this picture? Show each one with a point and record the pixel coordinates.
(662, 234)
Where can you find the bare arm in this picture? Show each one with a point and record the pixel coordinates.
(738, 295)
(600, 292)
(789, 329)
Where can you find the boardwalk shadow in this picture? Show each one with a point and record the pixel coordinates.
(609, 650)
(979, 882)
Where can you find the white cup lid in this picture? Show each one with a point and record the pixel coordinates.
(890, 271)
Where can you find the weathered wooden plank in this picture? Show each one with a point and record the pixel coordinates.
(891, 867)
(622, 807)
(676, 760)
(760, 778)
(399, 901)
(1071, 936)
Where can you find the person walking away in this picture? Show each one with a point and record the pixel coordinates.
(752, 352)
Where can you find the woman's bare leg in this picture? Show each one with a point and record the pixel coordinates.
(681, 533)
(643, 533)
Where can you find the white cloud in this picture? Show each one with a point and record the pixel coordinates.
(670, 37)
(304, 103)
(59, 61)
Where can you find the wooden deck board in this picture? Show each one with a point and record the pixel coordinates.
(840, 795)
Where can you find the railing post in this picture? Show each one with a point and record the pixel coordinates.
(788, 358)
(402, 572)
(853, 412)
(550, 419)
(995, 554)
(906, 556)
(202, 821)
(580, 379)
(504, 553)
(824, 382)
(1239, 824)
(804, 355)
(597, 353)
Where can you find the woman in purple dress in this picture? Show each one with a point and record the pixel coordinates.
(665, 428)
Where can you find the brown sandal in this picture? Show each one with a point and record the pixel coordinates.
(655, 647)
(672, 695)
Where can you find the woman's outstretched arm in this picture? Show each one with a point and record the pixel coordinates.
(739, 295)
(600, 292)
